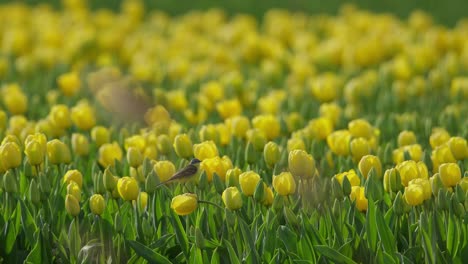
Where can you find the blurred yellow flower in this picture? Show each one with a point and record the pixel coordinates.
(351, 175)
(229, 108)
(14, 99)
(100, 135)
(359, 147)
(80, 144)
(408, 171)
(75, 176)
(271, 153)
(58, 152)
(414, 194)
(438, 137)
(268, 124)
(295, 143)
(69, 83)
(357, 195)
(339, 141)
(406, 138)
(239, 126)
(72, 205)
(183, 146)
(450, 174)
(108, 153)
(360, 128)
(217, 165)
(60, 116)
(458, 147)
(83, 116)
(284, 184)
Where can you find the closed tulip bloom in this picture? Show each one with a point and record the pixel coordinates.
(360, 128)
(75, 190)
(232, 176)
(423, 172)
(232, 198)
(338, 142)
(100, 135)
(295, 143)
(425, 185)
(14, 99)
(183, 146)
(284, 184)
(10, 154)
(164, 144)
(108, 153)
(134, 157)
(97, 204)
(83, 116)
(72, 205)
(109, 180)
(34, 152)
(205, 150)
(257, 138)
(184, 204)
(142, 200)
(271, 153)
(248, 182)
(128, 188)
(464, 184)
(268, 124)
(164, 169)
(438, 137)
(414, 194)
(294, 121)
(369, 162)
(239, 126)
(359, 148)
(75, 176)
(408, 171)
(390, 182)
(268, 195)
(458, 147)
(217, 165)
(442, 154)
(319, 128)
(352, 176)
(60, 116)
(332, 111)
(58, 152)
(406, 138)
(301, 164)
(40, 138)
(358, 195)
(450, 174)
(209, 132)
(80, 144)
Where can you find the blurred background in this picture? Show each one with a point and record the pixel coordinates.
(446, 12)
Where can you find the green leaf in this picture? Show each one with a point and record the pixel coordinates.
(453, 235)
(333, 254)
(35, 255)
(371, 229)
(181, 236)
(232, 254)
(148, 254)
(247, 234)
(386, 237)
(288, 237)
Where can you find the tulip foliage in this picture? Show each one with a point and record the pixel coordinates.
(315, 138)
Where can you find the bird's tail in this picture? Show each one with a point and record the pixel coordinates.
(164, 182)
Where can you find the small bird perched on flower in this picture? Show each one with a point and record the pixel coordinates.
(185, 173)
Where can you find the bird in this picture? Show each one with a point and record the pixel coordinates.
(184, 174)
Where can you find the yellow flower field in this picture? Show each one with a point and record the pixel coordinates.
(133, 136)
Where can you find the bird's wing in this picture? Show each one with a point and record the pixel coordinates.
(185, 172)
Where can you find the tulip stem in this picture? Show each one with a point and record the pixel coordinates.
(210, 203)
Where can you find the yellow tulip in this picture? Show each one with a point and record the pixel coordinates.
(72, 205)
(232, 198)
(450, 174)
(183, 146)
(205, 150)
(184, 204)
(248, 182)
(75, 176)
(369, 162)
(164, 169)
(97, 204)
(301, 164)
(128, 188)
(10, 154)
(284, 184)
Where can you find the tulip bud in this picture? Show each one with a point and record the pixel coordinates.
(34, 193)
(301, 164)
(232, 177)
(164, 170)
(284, 184)
(151, 182)
(406, 138)
(99, 187)
(80, 144)
(347, 187)
(271, 153)
(357, 195)
(295, 143)
(74, 189)
(464, 184)
(425, 185)
(205, 150)
(209, 132)
(408, 171)
(97, 204)
(73, 175)
(183, 146)
(34, 152)
(134, 157)
(83, 115)
(369, 162)
(250, 154)
(60, 116)
(69, 83)
(109, 153)
(58, 152)
(268, 196)
(128, 188)
(72, 205)
(9, 182)
(359, 147)
(458, 147)
(232, 198)
(257, 138)
(184, 204)
(360, 128)
(248, 182)
(100, 135)
(10, 154)
(239, 126)
(109, 181)
(164, 144)
(142, 201)
(450, 174)
(414, 194)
